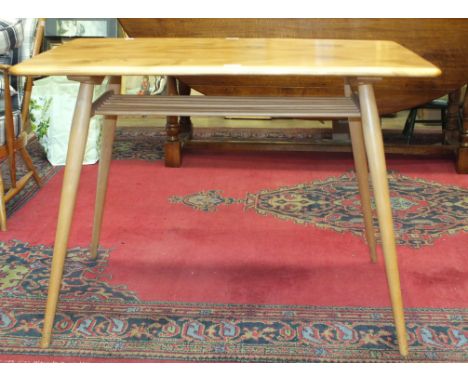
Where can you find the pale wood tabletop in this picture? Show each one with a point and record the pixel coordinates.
(228, 56)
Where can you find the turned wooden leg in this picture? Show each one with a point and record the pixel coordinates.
(360, 163)
(185, 122)
(3, 225)
(375, 152)
(172, 148)
(462, 155)
(75, 155)
(107, 140)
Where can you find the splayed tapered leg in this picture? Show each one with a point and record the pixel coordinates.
(375, 152)
(362, 173)
(107, 141)
(76, 148)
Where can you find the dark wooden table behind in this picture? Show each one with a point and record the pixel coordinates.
(441, 41)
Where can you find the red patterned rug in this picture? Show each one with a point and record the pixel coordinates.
(241, 257)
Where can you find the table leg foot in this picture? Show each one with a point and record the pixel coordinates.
(375, 150)
(76, 148)
(172, 152)
(462, 160)
(362, 173)
(45, 342)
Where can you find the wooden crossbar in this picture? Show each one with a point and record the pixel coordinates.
(318, 107)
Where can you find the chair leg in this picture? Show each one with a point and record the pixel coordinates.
(186, 125)
(408, 130)
(75, 155)
(9, 129)
(28, 85)
(29, 164)
(375, 152)
(3, 226)
(443, 119)
(360, 164)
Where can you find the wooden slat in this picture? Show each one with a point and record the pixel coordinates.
(103, 98)
(227, 106)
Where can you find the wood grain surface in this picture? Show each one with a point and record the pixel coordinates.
(440, 41)
(228, 56)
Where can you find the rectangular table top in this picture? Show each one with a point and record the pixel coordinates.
(228, 56)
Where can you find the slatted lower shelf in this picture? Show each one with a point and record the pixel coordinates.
(318, 107)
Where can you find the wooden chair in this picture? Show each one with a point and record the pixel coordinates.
(14, 139)
(455, 112)
(412, 120)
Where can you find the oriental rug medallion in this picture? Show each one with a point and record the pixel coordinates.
(423, 211)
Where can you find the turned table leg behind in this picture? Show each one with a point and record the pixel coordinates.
(172, 148)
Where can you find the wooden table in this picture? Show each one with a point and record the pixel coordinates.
(359, 63)
(446, 48)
